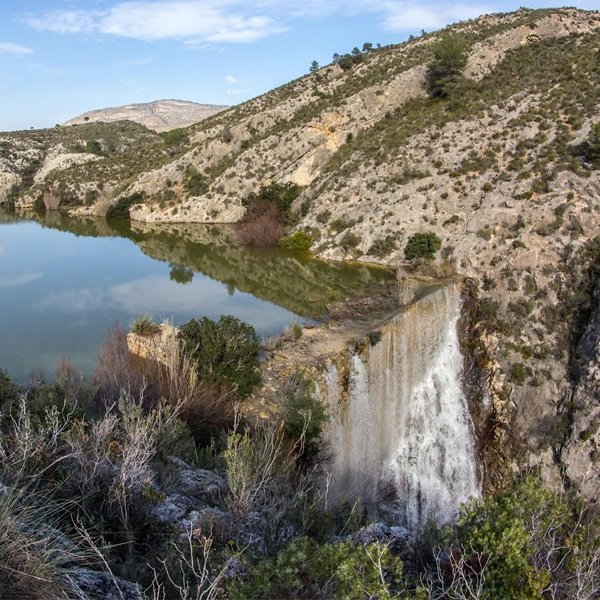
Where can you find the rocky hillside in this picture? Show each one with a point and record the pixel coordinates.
(160, 115)
(43, 162)
(496, 168)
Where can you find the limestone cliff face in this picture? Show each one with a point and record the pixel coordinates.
(581, 452)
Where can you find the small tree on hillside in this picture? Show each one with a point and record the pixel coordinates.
(314, 66)
(592, 144)
(445, 70)
(345, 62)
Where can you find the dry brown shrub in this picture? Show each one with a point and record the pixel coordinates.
(262, 227)
(32, 557)
(255, 210)
(407, 286)
(212, 407)
(170, 376)
(263, 231)
(71, 380)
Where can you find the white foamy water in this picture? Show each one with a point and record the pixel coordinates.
(404, 435)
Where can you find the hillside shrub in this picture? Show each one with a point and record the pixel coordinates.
(349, 240)
(176, 138)
(94, 147)
(303, 414)
(196, 184)
(297, 241)
(120, 209)
(225, 351)
(383, 246)
(592, 143)
(227, 135)
(422, 245)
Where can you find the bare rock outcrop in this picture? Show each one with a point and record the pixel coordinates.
(582, 453)
(160, 115)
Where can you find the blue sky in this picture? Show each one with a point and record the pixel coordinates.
(60, 58)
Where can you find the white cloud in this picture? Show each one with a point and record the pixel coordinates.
(160, 297)
(199, 22)
(405, 16)
(137, 62)
(64, 21)
(76, 301)
(194, 21)
(189, 20)
(237, 92)
(8, 281)
(157, 295)
(10, 48)
(231, 79)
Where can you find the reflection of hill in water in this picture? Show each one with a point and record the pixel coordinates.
(9, 217)
(294, 281)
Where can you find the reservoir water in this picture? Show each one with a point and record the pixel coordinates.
(65, 282)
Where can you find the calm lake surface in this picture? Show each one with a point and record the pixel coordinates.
(65, 282)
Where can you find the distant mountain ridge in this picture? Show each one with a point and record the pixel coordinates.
(160, 115)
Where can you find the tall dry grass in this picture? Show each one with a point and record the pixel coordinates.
(407, 286)
(166, 374)
(36, 559)
(51, 199)
(102, 204)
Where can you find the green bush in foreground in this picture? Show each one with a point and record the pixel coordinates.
(225, 351)
(510, 529)
(422, 245)
(306, 569)
(297, 241)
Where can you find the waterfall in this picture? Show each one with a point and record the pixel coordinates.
(402, 435)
